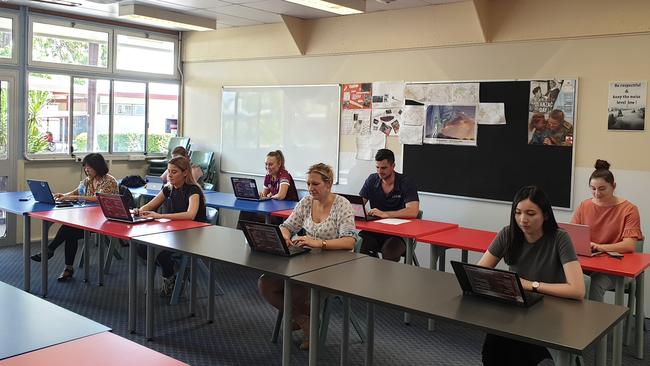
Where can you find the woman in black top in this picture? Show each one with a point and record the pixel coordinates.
(186, 202)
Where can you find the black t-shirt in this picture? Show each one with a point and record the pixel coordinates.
(404, 191)
(179, 199)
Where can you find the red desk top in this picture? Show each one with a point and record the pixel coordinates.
(92, 219)
(284, 213)
(631, 265)
(461, 238)
(103, 349)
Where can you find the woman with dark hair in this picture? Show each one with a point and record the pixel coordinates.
(97, 181)
(614, 222)
(186, 202)
(543, 255)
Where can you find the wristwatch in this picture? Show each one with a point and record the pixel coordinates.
(323, 245)
(535, 286)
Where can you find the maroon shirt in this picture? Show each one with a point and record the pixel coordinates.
(283, 177)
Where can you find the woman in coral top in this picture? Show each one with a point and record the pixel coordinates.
(615, 223)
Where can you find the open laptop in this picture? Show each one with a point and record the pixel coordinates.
(580, 237)
(42, 193)
(246, 189)
(154, 182)
(115, 207)
(493, 283)
(268, 238)
(359, 207)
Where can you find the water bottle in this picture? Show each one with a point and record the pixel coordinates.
(82, 193)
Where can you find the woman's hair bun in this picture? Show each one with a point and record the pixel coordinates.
(601, 164)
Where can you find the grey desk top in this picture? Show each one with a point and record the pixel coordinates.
(562, 324)
(28, 323)
(229, 245)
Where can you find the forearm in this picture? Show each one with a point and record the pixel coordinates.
(626, 245)
(346, 243)
(405, 213)
(178, 216)
(565, 290)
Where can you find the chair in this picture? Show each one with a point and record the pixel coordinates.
(212, 216)
(158, 166)
(630, 288)
(211, 177)
(203, 159)
(325, 312)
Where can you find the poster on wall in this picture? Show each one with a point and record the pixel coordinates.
(450, 125)
(551, 112)
(626, 105)
(356, 96)
(355, 122)
(387, 121)
(387, 94)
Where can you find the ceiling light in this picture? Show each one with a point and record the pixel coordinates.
(166, 18)
(341, 7)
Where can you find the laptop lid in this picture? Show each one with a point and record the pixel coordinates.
(580, 237)
(245, 188)
(358, 206)
(41, 191)
(492, 283)
(114, 206)
(265, 238)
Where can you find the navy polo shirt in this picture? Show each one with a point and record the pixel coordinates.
(404, 191)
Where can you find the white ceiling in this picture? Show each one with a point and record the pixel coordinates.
(228, 13)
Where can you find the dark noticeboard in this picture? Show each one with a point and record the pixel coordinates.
(502, 161)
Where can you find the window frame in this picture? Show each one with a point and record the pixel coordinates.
(146, 35)
(69, 23)
(15, 19)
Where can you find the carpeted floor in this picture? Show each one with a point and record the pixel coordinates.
(243, 325)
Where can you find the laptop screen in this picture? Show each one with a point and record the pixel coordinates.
(113, 206)
(244, 187)
(490, 282)
(264, 237)
(358, 206)
(40, 191)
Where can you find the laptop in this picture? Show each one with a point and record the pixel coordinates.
(359, 207)
(115, 207)
(268, 238)
(42, 193)
(246, 189)
(493, 283)
(581, 238)
(154, 182)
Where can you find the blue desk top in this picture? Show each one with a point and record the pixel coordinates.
(10, 201)
(153, 192)
(229, 201)
(30, 323)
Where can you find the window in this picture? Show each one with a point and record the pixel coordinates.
(163, 116)
(145, 55)
(48, 112)
(128, 128)
(4, 89)
(6, 38)
(89, 126)
(71, 45)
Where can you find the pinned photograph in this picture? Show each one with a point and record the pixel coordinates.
(450, 125)
(551, 112)
(626, 106)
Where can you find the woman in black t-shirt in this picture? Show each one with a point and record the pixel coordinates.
(185, 202)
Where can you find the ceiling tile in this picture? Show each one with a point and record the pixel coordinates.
(372, 5)
(249, 13)
(295, 10)
(200, 4)
(227, 19)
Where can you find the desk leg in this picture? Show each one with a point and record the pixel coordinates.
(86, 255)
(617, 342)
(433, 261)
(464, 256)
(286, 324)
(193, 287)
(562, 358)
(442, 259)
(211, 288)
(133, 281)
(314, 314)
(640, 316)
(410, 248)
(601, 351)
(151, 271)
(100, 259)
(370, 334)
(267, 218)
(345, 338)
(45, 227)
(27, 244)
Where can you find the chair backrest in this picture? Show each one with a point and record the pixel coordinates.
(203, 159)
(177, 141)
(212, 215)
(357, 244)
(639, 246)
(124, 191)
(420, 213)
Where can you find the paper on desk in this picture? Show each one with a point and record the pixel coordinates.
(393, 221)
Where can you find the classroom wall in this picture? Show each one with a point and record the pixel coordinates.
(504, 40)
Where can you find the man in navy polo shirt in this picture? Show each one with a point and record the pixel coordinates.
(393, 195)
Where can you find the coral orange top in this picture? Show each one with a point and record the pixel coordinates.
(609, 224)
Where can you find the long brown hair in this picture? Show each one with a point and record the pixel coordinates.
(184, 165)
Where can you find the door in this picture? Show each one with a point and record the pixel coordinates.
(8, 151)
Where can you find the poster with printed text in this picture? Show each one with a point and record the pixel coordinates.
(356, 96)
(551, 112)
(626, 105)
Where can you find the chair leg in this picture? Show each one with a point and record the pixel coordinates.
(357, 323)
(219, 291)
(276, 328)
(180, 277)
(81, 256)
(629, 320)
(109, 256)
(325, 321)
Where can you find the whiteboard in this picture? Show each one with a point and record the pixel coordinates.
(302, 121)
